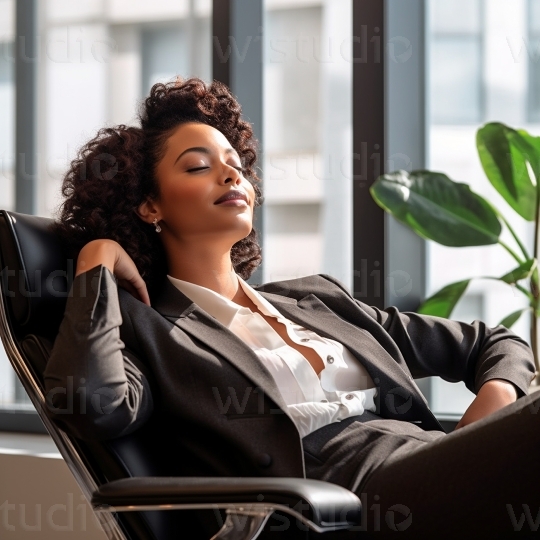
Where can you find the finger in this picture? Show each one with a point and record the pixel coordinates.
(128, 287)
(140, 290)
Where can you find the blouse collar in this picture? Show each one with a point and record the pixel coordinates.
(221, 308)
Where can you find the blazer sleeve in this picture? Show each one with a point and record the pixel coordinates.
(453, 350)
(94, 386)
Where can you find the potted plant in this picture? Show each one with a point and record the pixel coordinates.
(450, 213)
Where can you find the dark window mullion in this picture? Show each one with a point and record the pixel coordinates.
(237, 24)
(368, 150)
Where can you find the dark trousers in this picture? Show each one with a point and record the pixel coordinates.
(481, 481)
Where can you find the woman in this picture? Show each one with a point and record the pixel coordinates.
(292, 378)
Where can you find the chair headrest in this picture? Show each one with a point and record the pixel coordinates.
(36, 274)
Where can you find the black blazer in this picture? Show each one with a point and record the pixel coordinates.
(117, 362)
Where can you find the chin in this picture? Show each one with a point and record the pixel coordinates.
(244, 233)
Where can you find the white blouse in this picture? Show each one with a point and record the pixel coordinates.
(343, 388)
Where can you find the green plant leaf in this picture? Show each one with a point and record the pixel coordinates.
(506, 157)
(523, 271)
(437, 208)
(535, 143)
(443, 302)
(511, 319)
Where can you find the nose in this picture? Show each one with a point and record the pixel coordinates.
(230, 175)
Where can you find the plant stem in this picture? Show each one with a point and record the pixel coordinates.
(511, 251)
(525, 292)
(534, 343)
(516, 237)
(535, 292)
(517, 285)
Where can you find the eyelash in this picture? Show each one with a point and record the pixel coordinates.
(240, 169)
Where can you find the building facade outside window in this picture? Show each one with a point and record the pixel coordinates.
(307, 138)
(480, 69)
(97, 60)
(456, 50)
(100, 57)
(10, 393)
(532, 47)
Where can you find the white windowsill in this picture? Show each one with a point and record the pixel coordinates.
(28, 444)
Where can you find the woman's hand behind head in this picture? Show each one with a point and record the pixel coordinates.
(111, 254)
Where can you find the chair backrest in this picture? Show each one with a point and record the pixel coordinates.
(36, 274)
(36, 279)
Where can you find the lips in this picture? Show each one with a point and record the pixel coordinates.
(232, 195)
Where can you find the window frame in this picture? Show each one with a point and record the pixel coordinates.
(372, 126)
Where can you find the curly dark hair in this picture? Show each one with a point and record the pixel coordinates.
(114, 173)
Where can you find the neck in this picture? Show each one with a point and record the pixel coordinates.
(209, 267)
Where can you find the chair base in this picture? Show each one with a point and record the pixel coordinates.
(242, 525)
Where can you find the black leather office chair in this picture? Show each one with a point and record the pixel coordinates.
(131, 481)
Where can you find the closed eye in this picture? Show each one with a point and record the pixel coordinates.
(239, 169)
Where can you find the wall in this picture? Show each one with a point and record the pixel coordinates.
(39, 497)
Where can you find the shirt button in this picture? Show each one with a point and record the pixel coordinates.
(304, 339)
(349, 396)
(330, 359)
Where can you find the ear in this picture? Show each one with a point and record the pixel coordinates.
(148, 211)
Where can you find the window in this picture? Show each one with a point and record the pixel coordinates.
(10, 391)
(98, 59)
(167, 51)
(469, 86)
(7, 102)
(533, 54)
(7, 106)
(455, 81)
(307, 138)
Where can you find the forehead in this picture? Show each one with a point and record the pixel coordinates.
(197, 134)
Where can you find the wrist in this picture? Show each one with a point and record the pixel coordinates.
(492, 396)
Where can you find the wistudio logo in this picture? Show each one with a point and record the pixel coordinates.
(517, 523)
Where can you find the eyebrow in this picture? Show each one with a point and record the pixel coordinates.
(204, 150)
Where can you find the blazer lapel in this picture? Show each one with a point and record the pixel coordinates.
(311, 313)
(395, 386)
(189, 317)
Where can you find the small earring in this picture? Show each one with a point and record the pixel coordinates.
(155, 223)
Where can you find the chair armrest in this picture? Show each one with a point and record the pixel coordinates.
(320, 505)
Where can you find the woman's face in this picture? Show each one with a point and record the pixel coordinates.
(198, 168)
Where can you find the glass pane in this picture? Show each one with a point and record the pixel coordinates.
(7, 127)
(7, 102)
(75, 100)
(533, 49)
(534, 80)
(293, 36)
(307, 139)
(8, 386)
(181, 49)
(534, 16)
(97, 61)
(457, 17)
(163, 55)
(455, 79)
(467, 87)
